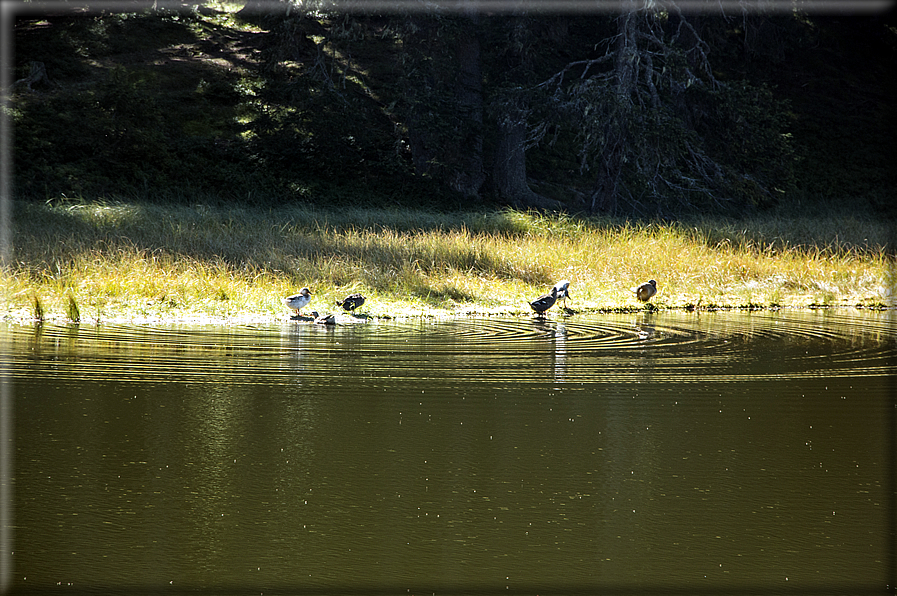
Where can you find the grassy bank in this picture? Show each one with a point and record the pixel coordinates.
(146, 262)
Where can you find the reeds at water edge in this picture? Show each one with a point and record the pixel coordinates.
(72, 311)
(38, 308)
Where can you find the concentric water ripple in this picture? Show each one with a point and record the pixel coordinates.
(678, 347)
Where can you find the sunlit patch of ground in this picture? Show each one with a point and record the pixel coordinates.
(154, 263)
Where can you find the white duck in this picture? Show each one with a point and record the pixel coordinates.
(298, 301)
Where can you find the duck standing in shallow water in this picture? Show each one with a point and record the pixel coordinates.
(563, 288)
(543, 303)
(298, 301)
(351, 302)
(645, 291)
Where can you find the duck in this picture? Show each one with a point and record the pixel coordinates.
(323, 319)
(298, 301)
(351, 302)
(563, 288)
(645, 291)
(543, 303)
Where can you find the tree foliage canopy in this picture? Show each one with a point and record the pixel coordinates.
(644, 112)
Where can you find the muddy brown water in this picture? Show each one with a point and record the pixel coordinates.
(697, 452)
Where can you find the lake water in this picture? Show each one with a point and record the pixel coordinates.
(645, 453)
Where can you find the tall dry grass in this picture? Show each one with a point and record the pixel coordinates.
(122, 260)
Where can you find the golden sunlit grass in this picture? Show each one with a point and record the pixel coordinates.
(149, 262)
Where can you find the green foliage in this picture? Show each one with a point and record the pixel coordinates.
(112, 138)
(192, 129)
(427, 93)
(326, 108)
(749, 134)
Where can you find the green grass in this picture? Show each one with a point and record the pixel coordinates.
(142, 261)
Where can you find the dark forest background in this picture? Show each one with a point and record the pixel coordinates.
(638, 113)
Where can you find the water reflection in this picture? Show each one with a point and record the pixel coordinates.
(555, 334)
(654, 451)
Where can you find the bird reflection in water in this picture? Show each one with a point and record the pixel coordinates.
(557, 332)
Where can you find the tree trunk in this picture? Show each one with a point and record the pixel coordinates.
(604, 194)
(605, 190)
(509, 167)
(421, 144)
(469, 176)
(509, 170)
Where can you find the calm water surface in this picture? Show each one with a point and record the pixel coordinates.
(648, 453)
